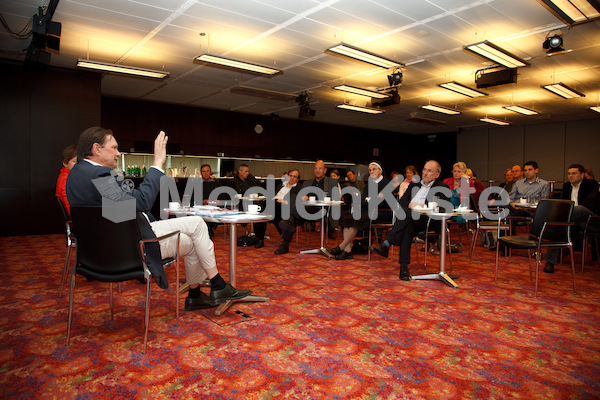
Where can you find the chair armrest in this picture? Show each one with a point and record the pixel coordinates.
(158, 239)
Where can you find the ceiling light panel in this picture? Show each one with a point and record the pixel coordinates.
(121, 69)
(361, 92)
(441, 109)
(496, 54)
(521, 110)
(212, 60)
(494, 121)
(368, 110)
(462, 89)
(563, 90)
(573, 11)
(356, 54)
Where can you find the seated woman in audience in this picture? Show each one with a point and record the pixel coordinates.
(350, 226)
(479, 187)
(459, 170)
(335, 174)
(69, 159)
(410, 172)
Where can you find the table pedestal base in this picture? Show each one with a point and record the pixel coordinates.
(224, 306)
(440, 276)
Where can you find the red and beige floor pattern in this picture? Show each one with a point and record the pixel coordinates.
(332, 330)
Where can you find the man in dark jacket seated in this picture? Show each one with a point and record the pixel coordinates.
(584, 192)
(93, 182)
(416, 195)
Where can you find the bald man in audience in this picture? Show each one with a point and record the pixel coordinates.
(416, 195)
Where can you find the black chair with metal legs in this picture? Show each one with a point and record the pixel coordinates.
(486, 225)
(71, 243)
(114, 252)
(376, 224)
(550, 228)
(592, 231)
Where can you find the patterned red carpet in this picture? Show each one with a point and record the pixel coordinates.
(333, 330)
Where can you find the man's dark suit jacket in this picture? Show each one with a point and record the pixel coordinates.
(82, 192)
(586, 187)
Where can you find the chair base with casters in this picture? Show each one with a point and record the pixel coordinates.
(550, 228)
(114, 252)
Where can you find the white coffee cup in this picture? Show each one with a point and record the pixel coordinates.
(523, 200)
(312, 199)
(253, 208)
(174, 205)
(434, 206)
(327, 199)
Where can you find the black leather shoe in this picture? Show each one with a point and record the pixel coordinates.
(380, 249)
(259, 244)
(404, 274)
(549, 268)
(198, 303)
(228, 293)
(334, 252)
(282, 249)
(287, 225)
(344, 255)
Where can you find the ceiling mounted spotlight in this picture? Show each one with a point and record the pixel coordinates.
(395, 78)
(553, 44)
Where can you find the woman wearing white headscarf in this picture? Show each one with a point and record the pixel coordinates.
(350, 226)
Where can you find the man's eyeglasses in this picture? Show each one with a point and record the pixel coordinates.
(294, 176)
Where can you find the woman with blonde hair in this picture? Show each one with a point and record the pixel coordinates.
(410, 172)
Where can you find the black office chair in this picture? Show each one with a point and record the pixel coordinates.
(550, 228)
(592, 222)
(376, 224)
(498, 224)
(113, 252)
(71, 243)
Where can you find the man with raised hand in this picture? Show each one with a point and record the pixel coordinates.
(98, 155)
